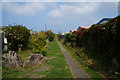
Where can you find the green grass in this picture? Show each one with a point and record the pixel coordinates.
(58, 63)
(91, 72)
(24, 55)
(57, 66)
(0, 72)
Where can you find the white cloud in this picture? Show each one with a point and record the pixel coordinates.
(23, 9)
(73, 10)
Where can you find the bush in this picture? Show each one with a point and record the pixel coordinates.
(50, 35)
(59, 36)
(17, 36)
(70, 37)
(38, 41)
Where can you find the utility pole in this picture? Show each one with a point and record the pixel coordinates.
(45, 27)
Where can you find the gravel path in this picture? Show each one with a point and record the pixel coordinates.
(77, 71)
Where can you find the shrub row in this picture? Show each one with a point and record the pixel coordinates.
(101, 42)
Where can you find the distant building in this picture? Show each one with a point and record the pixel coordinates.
(63, 35)
(80, 27)
(104, 20)
(73, 30)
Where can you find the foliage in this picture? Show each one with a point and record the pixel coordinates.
(38, 41)
(80, 37)
(17, 36)
(50, 35)
(59, 36)
(70, 37)
(103, 42)
(47, 32)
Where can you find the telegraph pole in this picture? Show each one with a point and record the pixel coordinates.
(45, 28)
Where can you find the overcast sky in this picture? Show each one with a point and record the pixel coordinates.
(58, 16)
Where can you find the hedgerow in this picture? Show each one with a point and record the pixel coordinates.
(101, 43)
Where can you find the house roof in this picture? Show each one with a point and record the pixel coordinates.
(86, 27)
(104, 20)
(72, 30)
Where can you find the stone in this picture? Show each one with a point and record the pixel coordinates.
(12, 60)
(35, 59)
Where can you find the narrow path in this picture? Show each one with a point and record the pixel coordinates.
(77, 71)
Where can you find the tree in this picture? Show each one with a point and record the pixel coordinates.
(70, 37)
(17, 36)
(50, 35)
(59, 36)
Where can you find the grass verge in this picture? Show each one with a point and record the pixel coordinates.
(59, 67)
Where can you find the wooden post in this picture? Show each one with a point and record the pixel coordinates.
(19, 49)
